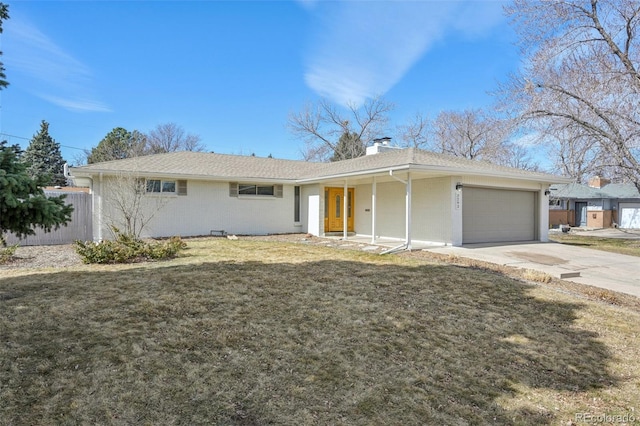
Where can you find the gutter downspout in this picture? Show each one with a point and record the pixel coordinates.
(407, 244)
(67, 174)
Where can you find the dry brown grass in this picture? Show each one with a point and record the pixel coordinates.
(629, 247)
(250, 332)
(581, 291)
(536, 276)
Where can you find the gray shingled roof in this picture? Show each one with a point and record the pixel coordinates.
(209, 165)
(421, 158)
(201, 164)
(581, 191)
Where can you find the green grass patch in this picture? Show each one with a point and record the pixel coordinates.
(249, 332)
(7, 253)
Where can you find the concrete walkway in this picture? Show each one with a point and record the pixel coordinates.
(612, 271)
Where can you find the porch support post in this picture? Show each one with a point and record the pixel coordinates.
(408, 212)
(542, 233)
(345, 209)
(100, 194)
(373, 210)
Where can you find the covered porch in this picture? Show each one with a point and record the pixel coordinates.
(392, 208)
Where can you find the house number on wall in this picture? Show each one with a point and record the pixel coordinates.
(457, 200)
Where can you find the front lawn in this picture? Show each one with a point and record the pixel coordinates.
(252, 333)
(630, 247)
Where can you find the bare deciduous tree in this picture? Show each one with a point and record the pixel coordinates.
(475, 135)
(416, 133)
(170, 137)
(573, 155)
(127, 205)
(518, 156)
(581, 81)
(321, 125)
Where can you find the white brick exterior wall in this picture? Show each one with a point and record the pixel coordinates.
(207, 206)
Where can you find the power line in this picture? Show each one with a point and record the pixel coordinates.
(26, 139)
(72, 147)
(14, 136)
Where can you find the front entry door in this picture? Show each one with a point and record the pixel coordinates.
(581, 214)
(334, 209)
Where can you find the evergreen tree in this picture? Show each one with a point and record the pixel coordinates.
(116, 145)
(349, 146)
(23, 205)
(43, 158)
(4, 15)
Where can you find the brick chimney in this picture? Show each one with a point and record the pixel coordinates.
(598, 182)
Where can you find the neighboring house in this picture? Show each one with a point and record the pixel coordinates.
(405, 194)
(600, 204)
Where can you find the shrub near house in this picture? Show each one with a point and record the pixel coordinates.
(128, 249)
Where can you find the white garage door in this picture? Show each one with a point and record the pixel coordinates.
(495, 215)
(629, 215)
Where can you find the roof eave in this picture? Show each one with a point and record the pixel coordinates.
(439, 169)
(77, 173)
(359, 173)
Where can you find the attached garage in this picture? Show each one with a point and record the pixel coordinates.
(498, 215)
(629, 215)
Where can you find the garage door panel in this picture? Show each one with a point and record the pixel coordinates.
(494, 215)
(629, 215)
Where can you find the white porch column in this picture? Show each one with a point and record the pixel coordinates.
(456, 211)
(408, 211)
(345, 209)
(101, 186)
(543, 215)
(373, 210)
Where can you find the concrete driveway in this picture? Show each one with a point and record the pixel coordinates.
(612, 271)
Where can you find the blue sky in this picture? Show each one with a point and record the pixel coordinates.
(232, 71)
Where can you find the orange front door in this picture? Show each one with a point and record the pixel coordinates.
(334, 209)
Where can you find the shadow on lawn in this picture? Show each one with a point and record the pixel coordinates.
(574, 243)
(320, 342)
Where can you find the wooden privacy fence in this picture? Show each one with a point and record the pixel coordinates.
(80, 227)
(562, 217)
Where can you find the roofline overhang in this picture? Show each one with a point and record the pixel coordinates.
(79, 173)
(359, 173)
(450, 171)
(437, 169)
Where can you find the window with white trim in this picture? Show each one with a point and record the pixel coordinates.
(248, 189)
(157, 186)
(251, 189)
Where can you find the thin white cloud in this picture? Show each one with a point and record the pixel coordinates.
(530, 139)
(308, 4)
(53, 74)
(362, 49)
(76, 104)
